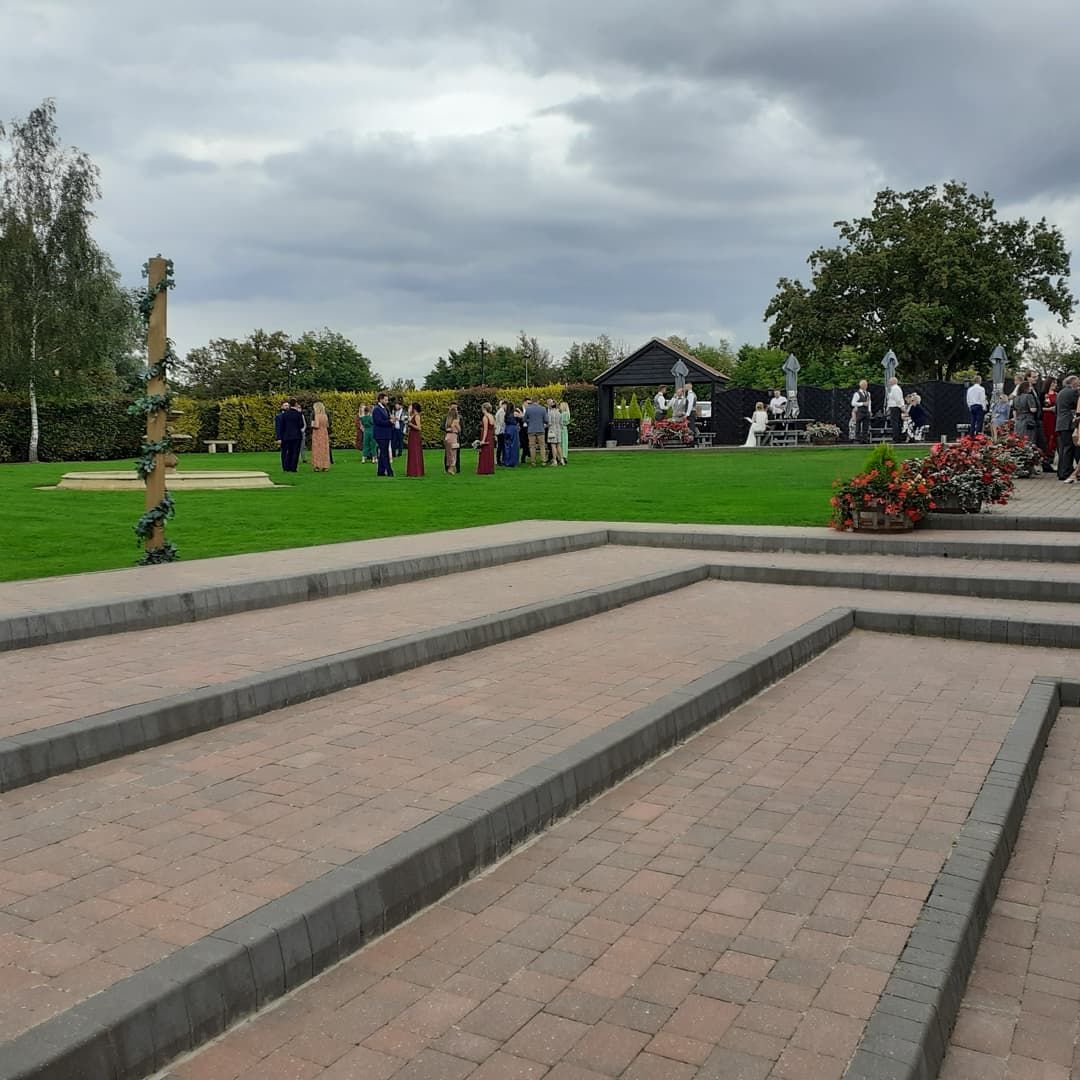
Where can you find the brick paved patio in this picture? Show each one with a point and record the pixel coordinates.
(1021, 1014)
(731, 911)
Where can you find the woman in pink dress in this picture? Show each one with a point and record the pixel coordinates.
(320, 438)
(450, 440)
(485, 461)
(414, 464)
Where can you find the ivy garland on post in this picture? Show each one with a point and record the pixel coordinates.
(150, 404)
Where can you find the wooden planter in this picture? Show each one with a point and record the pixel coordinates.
(952, 505)
(879, 521)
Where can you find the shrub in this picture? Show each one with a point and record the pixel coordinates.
(884, 486)
(969, 472)
(71, 430)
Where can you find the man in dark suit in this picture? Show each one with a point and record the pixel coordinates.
(1067, 400)
(289, 432)
(382, 429)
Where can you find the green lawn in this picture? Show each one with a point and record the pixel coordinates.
(60, 532)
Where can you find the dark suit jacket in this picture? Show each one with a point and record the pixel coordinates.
(1066, 408)
(289, 426)
(380, 421)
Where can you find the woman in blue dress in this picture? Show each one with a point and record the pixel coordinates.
(511, 447)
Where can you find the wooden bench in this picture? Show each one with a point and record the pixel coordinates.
(704, 438)
(213, 444)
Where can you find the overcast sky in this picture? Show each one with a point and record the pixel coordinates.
(418, 172)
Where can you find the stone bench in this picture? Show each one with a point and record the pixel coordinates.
(213, 444)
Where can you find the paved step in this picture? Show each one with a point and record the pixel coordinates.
(733, 910)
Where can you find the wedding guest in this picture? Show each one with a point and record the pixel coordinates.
(860, 404)
(523, 432)
(1025, 411)
(535, 422)
(451, 441)
(414, 462)
(397, 429)
(511, 451)
(1049, 419)
(691, 408)
(759, 424)
(320, 438)
(554, 432)
(777, 405)
(918, 417)
(660, 404)
(999, 415)
(370, 449)
(1065, 412)
(894, 408)
(678, 405)
(564, 416)
(289, 433)
(500, 432)
(976, 403)
(485, 459)
(304, 425)
(382, 428)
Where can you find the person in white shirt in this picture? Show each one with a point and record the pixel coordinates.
(860, 404)
(976, 403)
(691, 407)
(759, 424)
(777, 405)
(894, 406)
(660, 404)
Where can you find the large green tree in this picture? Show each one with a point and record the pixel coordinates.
(720, 357)
(933, 274)
(66, 324)
(481, 363)
(272, 362)
(585, 360)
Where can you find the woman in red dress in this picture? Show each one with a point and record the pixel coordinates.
(414, 463)
(485, 461)
(1049, 421)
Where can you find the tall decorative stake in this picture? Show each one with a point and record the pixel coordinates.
(150, 528)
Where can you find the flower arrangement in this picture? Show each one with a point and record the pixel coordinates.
(969, 472)
(897, 490)
(823, 433)
(663, 432)
(1021, 451)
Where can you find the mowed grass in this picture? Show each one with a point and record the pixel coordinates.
(61, 532)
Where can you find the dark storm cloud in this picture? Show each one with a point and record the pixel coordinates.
(416, 172)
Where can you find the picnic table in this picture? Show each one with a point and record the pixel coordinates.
(787, 431)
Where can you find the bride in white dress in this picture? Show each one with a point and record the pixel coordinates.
(759, 423)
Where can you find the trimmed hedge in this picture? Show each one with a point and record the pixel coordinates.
(102, 430)
(71, 430)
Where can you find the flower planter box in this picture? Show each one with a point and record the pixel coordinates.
(950, 504)
(879, 521)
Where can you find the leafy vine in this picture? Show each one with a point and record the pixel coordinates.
(149, 405)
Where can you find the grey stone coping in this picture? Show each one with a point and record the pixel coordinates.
(138, 1025)
(1005, 522)
(49, 626)
(907, 1035)
(76, 744)
(832, 543)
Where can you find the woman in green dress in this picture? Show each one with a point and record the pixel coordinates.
(564, 411)
(368, 450)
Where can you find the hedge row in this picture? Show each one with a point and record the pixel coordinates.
(102, 430)
(249, 421)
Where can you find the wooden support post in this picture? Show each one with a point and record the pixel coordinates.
(156, 422)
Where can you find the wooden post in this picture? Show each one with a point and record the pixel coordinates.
(156, 422)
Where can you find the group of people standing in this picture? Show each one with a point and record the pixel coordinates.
(290, 432)
(1041, 411)
(682, 405)
(509, 435)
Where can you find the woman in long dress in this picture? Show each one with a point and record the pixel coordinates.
(320, 438)
(451, 440)
(485, 461)
(414, 463)
(564, 446)
(759, 424)
(511, 447)
(1049, 422)
(370, 449)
